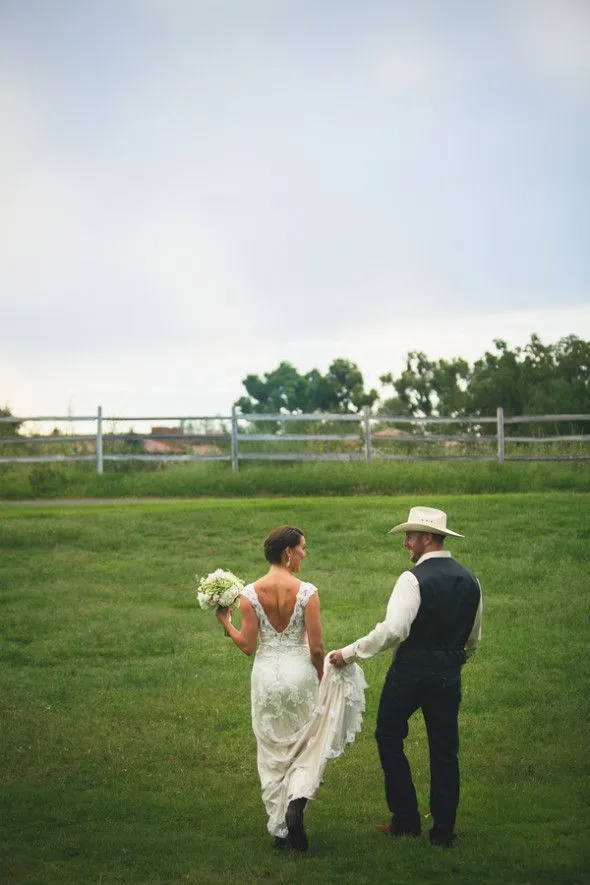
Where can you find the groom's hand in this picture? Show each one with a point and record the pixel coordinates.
(337, 660)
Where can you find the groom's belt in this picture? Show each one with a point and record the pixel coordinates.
(432, 658)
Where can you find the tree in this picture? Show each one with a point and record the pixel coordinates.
(8, 428)
(497, 380)
(280, 391)
(536, 379)
(340, 390)
(561, 382)
(284, 390)
(428, 388)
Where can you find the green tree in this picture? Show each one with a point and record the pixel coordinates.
(280, 391)
(429, 388)
(560, 383)
(8, 428)
(285, 390)
(497, 379)
(340, 390)
(537, 379)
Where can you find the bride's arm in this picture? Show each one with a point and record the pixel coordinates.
(313, 625)
(245, 638)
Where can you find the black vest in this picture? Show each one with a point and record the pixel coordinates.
(450, 597)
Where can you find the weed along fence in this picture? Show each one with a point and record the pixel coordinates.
(238, 438)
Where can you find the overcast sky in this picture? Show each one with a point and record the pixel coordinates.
(194, 190)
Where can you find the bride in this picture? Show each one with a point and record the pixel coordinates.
(300, 716)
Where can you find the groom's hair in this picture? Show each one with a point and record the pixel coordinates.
(278, 541)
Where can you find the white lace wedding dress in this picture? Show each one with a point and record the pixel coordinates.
(298, 724)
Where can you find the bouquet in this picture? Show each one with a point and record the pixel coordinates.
(220, 589)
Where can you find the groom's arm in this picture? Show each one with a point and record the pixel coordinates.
(402, 608)
(475, 635)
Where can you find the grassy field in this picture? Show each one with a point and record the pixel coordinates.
(21, 482)
(126, 749)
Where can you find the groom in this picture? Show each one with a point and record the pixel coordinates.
(433, 624)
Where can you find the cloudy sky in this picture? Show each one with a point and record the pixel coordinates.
(194, 190)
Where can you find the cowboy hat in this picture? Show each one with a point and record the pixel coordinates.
(425, 519)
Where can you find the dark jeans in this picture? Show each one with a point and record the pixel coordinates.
(438, 695)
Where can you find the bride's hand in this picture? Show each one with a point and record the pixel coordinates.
(224, 617)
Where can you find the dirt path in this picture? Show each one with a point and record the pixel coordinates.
(87, 502)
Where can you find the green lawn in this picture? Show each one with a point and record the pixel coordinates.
(126, 749)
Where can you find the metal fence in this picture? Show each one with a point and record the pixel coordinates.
(237, 434)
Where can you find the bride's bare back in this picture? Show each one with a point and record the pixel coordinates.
(277, 595)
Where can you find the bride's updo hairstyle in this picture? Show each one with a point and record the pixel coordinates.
(278, 541)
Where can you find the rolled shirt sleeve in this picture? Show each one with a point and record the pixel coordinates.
(474, 637)
(402, 608)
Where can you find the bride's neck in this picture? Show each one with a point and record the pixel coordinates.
(279, 570)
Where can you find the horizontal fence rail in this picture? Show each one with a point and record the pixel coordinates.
(238, 437)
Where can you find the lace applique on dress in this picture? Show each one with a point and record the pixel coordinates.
(297, 728)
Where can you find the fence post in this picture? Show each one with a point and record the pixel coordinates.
(367, 430)
(500, 431)
(234, 439)
(99, 461)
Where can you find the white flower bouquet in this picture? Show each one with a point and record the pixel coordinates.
(220, 589)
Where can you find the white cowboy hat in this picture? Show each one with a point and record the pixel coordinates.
(425, 519)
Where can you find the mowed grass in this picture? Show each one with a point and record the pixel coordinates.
(126, 749)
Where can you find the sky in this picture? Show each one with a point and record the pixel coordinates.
(195, 190)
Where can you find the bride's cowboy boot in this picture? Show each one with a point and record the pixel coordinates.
(297, 836)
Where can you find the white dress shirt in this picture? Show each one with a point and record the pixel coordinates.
(402, 608)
